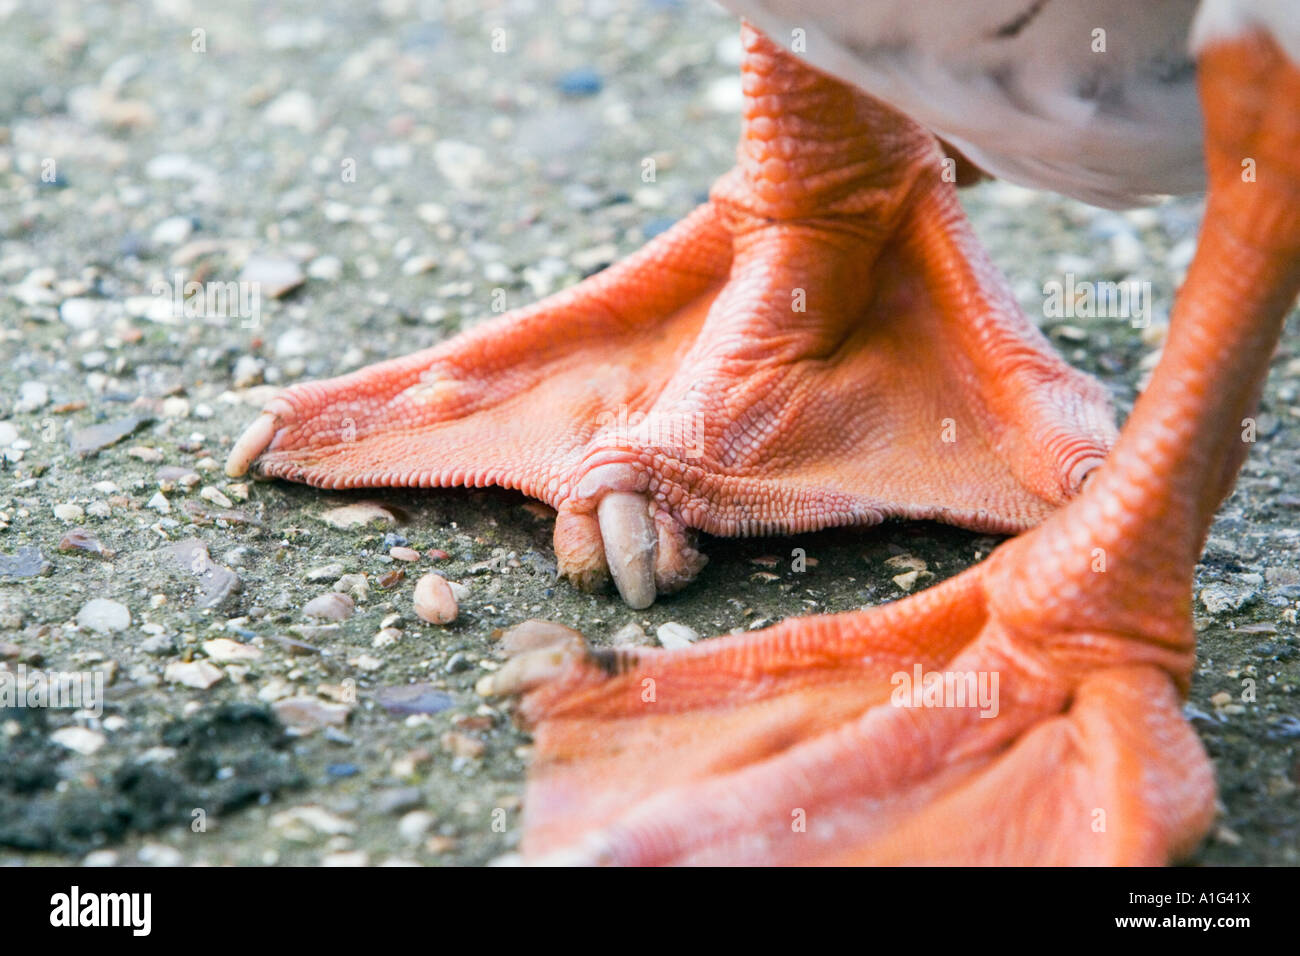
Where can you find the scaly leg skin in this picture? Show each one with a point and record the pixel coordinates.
(823, 343)
(805, 744)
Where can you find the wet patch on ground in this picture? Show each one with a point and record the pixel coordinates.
(218, 761)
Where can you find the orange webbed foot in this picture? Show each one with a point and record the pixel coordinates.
(678, 393)
(823, 343)
(938, 729)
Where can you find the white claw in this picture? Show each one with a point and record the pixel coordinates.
(525, 671)
(250, 444)
(593, 850)
(630, 540)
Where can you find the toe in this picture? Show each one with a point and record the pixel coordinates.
(629, 537)
(251, 443)
(530, 669)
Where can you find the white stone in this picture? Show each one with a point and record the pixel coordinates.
(224, 649)
(79, 739)
(104, 616)
(81, 314)
(32, 396)
(197, 674)
(327, 268)
(460, 163)
(414, 825)
(675, 636)
(68, 512)
(172, 231)
(292, 108)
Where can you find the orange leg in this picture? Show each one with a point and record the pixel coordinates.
(1054, 733)
(823, 343)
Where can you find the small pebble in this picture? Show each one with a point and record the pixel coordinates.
(80, 540)
(275, 276)
(1225, 598)
(418, 265)
(90, 440)
(357, 515)
(390, 579)
(81, 314)
(172, 231)
(629, 635)
(910, 568)
(158, 645)
(157, 854)
(404, 554)
(26, 562)
(459, 163)
(295, 342)
(366, 662)
(463, 745)
(676, 636)
(197, 674)
(327, 268)
(248, 371)
(314, 818)
(32, 396)
(411, 763)
(307, 714)
(414, 825)
(397, 800)
(293, 108)
(208, 493)
(223, 649)
(104, 616)
(79, 739)
(583, 81)
(420, 698)
(434, 600)
(907, 580)
(326, 572)
(218, 584)
(356, 586)
(68, 513)
(333, 606)
(145, 453)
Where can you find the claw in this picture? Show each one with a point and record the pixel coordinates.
(525, 671)
(592, 851)
(250, 444)
(628, 531)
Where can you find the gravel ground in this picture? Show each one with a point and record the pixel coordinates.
(392, 170)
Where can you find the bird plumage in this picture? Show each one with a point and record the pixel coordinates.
(1095, 99)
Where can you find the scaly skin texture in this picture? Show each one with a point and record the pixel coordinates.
(785, 746)
(823, 343)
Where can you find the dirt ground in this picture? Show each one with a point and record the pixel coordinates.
(134, 149)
